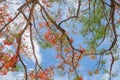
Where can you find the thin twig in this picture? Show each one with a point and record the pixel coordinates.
(77, 14)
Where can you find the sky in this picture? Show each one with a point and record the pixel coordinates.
(46, 57)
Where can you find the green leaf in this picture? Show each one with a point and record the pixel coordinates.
(10, 51)
(76, 78)
(45, 44)
(103, 62)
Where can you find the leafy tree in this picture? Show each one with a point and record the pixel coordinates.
(55, 24)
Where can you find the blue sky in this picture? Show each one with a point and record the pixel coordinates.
(47, 57)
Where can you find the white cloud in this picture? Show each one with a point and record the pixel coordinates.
(29, 51)
(106, 76)
(60, 78)
(37, 52)
(12, 76)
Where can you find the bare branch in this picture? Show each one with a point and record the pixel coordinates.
(77, 14)
(24, 66)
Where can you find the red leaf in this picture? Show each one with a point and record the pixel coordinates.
(10, 19)
(1, 21)
(6, 42)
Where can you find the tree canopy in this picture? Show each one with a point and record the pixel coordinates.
(76, 29)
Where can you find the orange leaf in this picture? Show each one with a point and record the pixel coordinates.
(71, 40)
(96, 71)
(82, 49)
(81, 78)
(41, 25)
(93, 57)
(92, 52)
(48, 35)
(12, 62)
(32, 76)
(53, 41)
